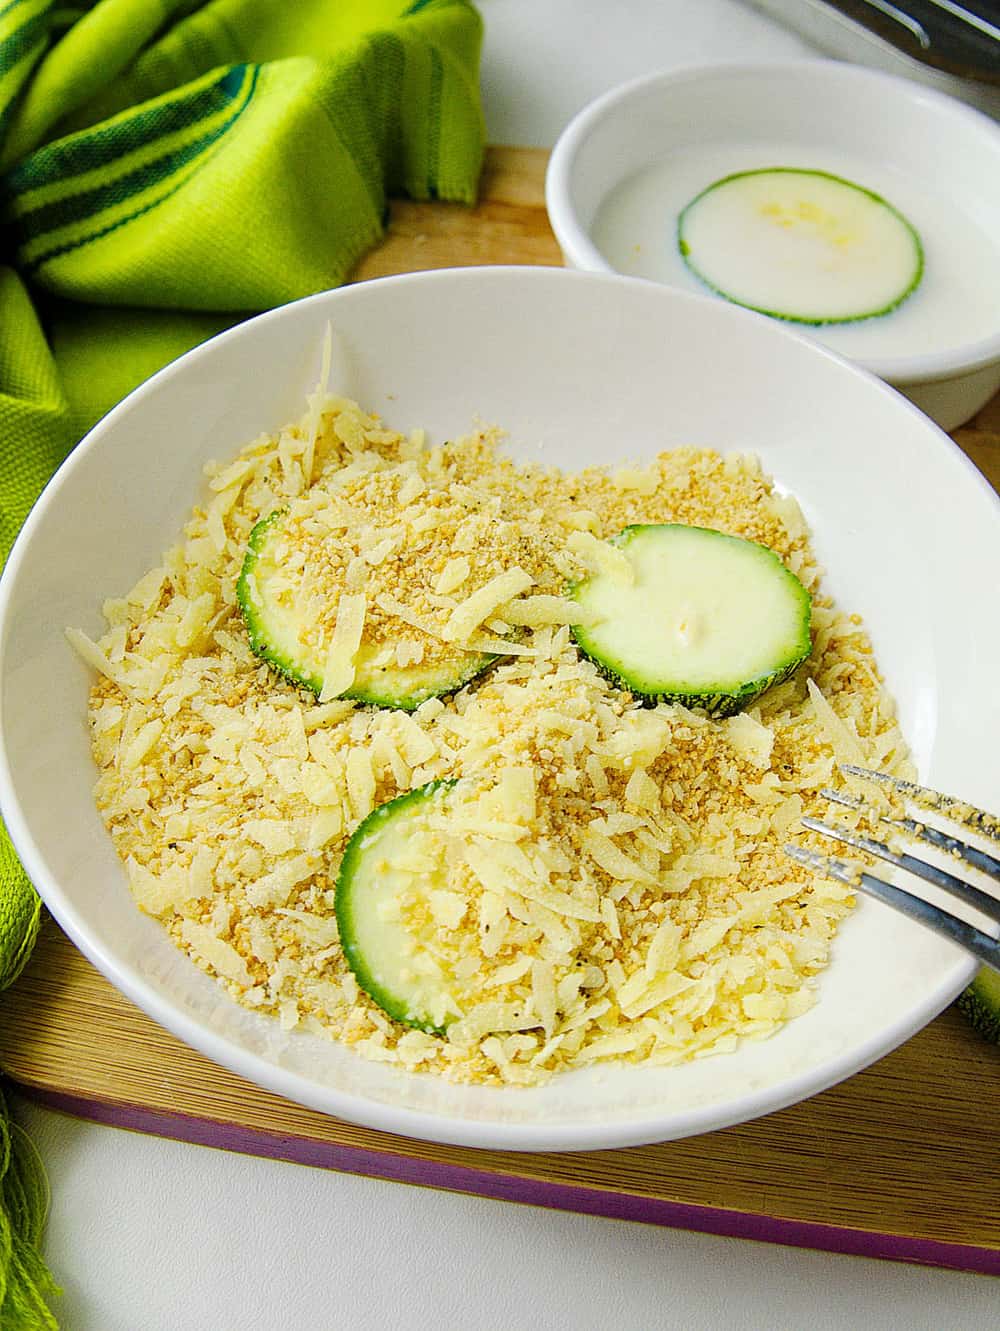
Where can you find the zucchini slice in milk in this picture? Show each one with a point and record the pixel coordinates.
(384, 863)
(707, 620)
(804, 246)
(281, 634)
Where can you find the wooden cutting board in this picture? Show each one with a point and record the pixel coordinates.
(900, 1161)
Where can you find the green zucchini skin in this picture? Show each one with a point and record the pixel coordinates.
(354, 893)
(719, 697)
(981, 1004)
(403, 688)
(816, 320)
(254, 616)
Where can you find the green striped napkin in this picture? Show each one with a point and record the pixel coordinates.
(167, 167)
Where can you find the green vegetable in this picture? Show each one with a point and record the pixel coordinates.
(383, 861)
(981, 1003)
(705, 619)
(279, 631)
(804, 246)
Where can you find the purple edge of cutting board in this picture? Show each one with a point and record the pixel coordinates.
(394, 1167)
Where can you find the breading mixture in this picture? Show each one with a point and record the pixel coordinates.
(619, 888)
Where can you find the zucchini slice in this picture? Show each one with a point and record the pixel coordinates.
(981, 1004)
(707, 620)
(281, 634)
(384, 863)
(804, 246)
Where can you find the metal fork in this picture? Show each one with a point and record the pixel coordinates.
(985, 947)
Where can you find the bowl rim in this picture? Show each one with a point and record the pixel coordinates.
(580, 250)
(383, 1116)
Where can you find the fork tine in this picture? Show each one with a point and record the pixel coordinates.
(971, 855)
(959, 810)
(930, 873)
(979, 859)
(980, 945)
(842, 870)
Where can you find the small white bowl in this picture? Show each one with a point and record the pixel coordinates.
(581, 369)
(937, 160)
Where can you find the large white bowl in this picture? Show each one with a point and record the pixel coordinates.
(580, 369)
(926, 145)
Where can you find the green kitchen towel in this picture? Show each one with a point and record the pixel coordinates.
(25, 1284)
(166, 168)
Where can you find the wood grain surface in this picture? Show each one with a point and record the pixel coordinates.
(906, 1151)
(899, 1161)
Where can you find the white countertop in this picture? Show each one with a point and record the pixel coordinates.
(152, 1235)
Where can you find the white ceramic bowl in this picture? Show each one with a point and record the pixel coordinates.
(580, 369)
(931, 155)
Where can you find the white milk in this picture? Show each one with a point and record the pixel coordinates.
(956, 303)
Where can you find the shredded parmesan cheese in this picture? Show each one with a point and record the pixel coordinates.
(338, 674)
(611, 877)
(471, 612)
(601, 557)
